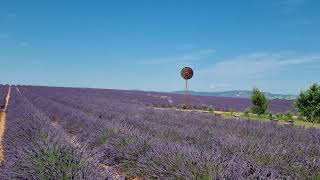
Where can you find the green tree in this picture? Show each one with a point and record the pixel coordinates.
(259, 102)
(308, 103)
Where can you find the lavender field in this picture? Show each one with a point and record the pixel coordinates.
(70, 133)
(168, 100)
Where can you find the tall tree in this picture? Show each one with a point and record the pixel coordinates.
(259, 102)
(308, 103)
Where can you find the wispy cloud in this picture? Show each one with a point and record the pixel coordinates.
(24, 44)
(257, 63)
(186, 57)
(246, 70)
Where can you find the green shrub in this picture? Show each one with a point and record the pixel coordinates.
(301, 118)
(247, 113)
(279, 116)
(288, 116)
(211, 110)
(259, 102)
(308, 103)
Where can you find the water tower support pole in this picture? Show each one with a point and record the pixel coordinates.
(187, 93)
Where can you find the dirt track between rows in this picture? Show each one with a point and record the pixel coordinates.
(3, 124)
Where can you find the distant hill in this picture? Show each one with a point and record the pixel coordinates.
(239, 94)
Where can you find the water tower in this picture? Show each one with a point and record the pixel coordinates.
(186, 74)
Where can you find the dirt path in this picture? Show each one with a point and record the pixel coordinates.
(3, 124)
(18, 90)
(192, 110)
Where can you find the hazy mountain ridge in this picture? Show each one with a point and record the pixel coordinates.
(239, 94)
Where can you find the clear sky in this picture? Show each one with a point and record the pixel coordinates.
(271, 44)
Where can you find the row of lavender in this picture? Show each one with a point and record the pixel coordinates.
(167, 144)
(34, 149)
(3, 94)
(168, 99)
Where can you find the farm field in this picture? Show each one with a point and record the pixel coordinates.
(167, 99)
(73, 133)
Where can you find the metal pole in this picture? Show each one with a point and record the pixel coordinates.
(187, 94)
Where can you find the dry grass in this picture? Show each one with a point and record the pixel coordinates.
(237, 115)
(2, 127)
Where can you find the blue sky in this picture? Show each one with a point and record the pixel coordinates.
(273, 45)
